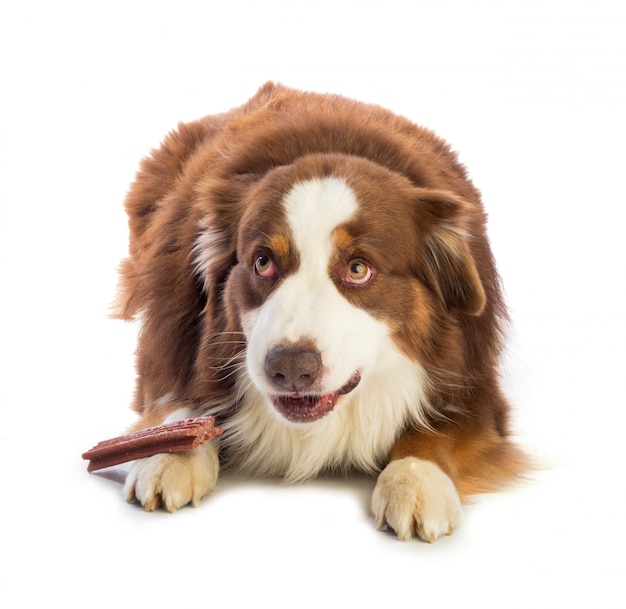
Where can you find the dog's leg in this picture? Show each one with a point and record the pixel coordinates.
(416, 493)
(420, 490)
(414, 496)
(171, 480)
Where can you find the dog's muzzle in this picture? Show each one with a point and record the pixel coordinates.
(295, 372)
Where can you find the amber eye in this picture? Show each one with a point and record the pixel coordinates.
(358, 272)
(265, 267)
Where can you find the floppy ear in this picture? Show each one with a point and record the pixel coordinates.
(158, 287)
(449, 264)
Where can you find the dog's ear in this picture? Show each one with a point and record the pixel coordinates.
(448, 262)
(158, 287)
(160, 284)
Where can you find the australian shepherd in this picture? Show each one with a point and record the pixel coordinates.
(315, 273)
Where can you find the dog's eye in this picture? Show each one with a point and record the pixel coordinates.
(358, 272)
(265, 267)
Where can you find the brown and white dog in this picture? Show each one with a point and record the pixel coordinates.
(315, 272)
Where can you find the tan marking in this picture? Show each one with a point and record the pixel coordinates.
(279, 246)
(342, 239)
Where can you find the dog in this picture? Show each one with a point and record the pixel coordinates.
(315, 272)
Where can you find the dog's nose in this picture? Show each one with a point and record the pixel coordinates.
(292, 368)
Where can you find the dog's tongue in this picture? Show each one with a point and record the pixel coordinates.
(308, 408)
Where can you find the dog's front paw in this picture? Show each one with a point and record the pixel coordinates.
(172, 480)
(414, 496)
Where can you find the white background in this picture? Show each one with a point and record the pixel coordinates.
(532, 94)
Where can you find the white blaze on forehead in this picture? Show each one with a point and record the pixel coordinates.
(314, 210)
(310, 305)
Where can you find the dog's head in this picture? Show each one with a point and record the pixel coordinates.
(343, 270)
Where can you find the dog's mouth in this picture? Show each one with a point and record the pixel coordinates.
(299, 408)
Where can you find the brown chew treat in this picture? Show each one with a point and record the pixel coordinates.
(170, 438)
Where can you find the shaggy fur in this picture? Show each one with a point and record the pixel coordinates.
(318, 232)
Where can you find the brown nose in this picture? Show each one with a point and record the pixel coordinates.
(292, 368)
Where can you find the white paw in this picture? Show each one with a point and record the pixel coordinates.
(414, 496)
(172, 480)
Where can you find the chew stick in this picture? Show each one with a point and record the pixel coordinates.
(173, 437)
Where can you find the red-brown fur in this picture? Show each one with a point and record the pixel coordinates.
(452, 323)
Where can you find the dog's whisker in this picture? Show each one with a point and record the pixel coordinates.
(227, 332)
(229, 364)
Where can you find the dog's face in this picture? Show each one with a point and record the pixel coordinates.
(330, 286)
(307, 343)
